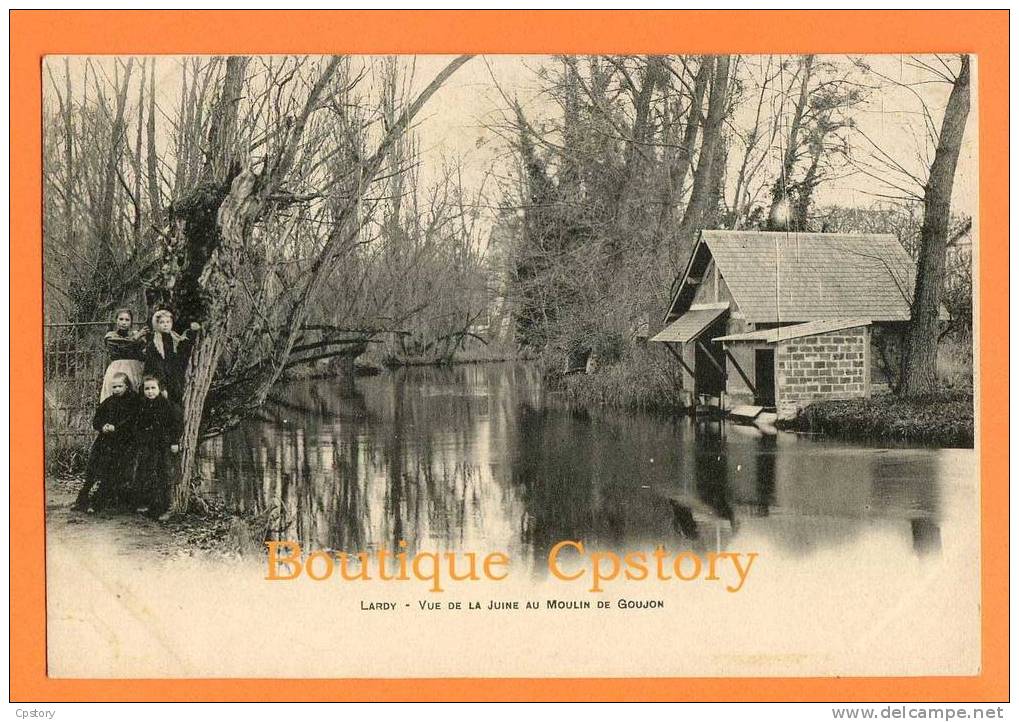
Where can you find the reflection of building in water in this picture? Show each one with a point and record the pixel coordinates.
(926, 536)
(820, 494)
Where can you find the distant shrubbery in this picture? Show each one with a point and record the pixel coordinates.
(944, 419)
(955, 363)
(640, 379)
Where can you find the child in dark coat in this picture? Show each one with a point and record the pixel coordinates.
(167, 354)
(111, 457)
(157, 428)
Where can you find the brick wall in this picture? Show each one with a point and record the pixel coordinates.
(833, 365)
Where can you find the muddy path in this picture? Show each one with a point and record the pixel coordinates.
(213, 535)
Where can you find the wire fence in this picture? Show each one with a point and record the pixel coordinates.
(74, 360)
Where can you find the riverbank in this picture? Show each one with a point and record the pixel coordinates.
(212, 533)
(641, 380)
(473, 354)
(943, 419)
(372, 364)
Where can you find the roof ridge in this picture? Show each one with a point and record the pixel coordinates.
(826, 275)
(791, 234)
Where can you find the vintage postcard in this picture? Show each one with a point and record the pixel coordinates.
(514, 365)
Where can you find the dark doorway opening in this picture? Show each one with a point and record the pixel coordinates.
(708, 364)
(764, 373)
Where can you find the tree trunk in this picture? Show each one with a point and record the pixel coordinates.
(226, 241)
(678, 163)
(704, 176)
(234, 216)
(97, 286)
(780, 191)
(151, 159)
(68, 160)
(805, 189)
(117, 136)
(695, 118)
(215, 250)
(715, 203)
(919, 373)
(635, 153)
(137, 163)
(573, 133)
(628, 192)
(794, 127)
(206, 236)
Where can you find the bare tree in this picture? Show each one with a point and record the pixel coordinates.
(215, 233)
(780, 191)
(919, 373)
(705, 177)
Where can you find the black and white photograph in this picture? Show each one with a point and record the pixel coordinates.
(335, 343)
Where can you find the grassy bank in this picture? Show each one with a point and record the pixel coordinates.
(641, 379)
(943, 419)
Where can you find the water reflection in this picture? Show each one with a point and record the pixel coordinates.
(481, 458)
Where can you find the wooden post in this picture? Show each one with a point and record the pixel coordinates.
(679, 358)
(712, 360)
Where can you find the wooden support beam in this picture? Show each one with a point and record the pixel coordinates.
(679, 357)
(712, 359)
(740, 372)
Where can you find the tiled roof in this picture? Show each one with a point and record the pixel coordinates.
(799, 330)
(816, 275)
(691, 324)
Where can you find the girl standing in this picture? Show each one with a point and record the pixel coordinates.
(167, 353)
(127, 352)
(158, 424)
(111, 458)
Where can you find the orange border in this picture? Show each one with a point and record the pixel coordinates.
(35, 33)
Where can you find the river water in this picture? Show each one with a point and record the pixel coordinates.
(481, 457)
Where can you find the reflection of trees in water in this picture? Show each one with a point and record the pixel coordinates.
(909, 484)
(301, 465)
(926, 536)
(394, 461)
(557, 491)
(322, 401)
(478, 457)
(430, 485)
(906, 481)
(712, 497)
(578, 480)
